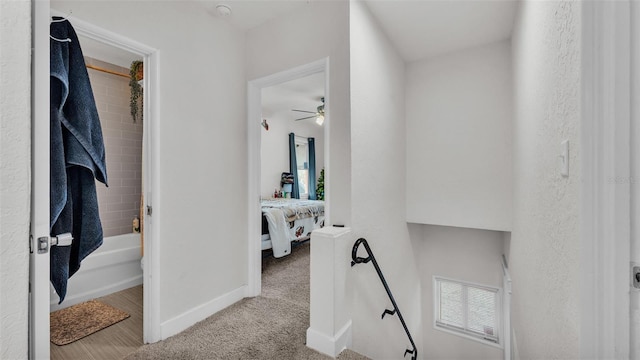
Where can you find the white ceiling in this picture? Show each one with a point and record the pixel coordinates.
(247, 14)
(300, 94)
(419, 29)
(426, 28)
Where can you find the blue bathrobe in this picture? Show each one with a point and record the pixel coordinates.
(77, 157)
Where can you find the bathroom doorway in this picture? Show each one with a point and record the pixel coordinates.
(127, 246)
(113, 273)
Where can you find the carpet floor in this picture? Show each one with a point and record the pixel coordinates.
(270, 326)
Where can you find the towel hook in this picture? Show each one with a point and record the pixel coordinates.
(61, 20)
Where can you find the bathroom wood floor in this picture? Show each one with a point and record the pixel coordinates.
(114, 342)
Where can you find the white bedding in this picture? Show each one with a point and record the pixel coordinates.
(291, 220)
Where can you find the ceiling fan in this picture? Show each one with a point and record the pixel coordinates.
(318, 115)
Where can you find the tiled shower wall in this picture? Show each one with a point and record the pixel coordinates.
(120, 202)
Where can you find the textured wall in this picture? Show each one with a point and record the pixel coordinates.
(378, 177)
(15, 140)
(544, 248)
(459, 112)
(120, 202)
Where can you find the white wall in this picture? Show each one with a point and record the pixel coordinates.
(378, 211)
(469, 255)
(15, 176)
(459, 111)
(274, 149)
(320, 28)
(201, 174)
(544, 248)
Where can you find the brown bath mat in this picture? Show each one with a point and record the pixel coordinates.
(77, 321)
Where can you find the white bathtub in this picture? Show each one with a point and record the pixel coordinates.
(114, 266)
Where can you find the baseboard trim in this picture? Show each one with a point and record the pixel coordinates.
(328, 345)
(199, 313)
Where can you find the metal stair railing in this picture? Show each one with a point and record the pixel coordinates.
(396, 310)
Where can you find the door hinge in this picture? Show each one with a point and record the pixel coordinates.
(635, 274)
(149, 210)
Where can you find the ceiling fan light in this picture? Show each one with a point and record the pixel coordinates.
(320, 119)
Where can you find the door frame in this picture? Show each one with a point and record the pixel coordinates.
(150, 146)
(39, 263)
(254, 111)
(606, 180)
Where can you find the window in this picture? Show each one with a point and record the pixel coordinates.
(466, 309)
(302, 158)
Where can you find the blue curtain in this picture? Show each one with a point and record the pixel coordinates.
(312, 169)
(293, 166)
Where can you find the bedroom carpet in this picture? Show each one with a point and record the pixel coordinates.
(271, 326)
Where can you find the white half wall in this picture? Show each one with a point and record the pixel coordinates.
(329, 329)
(15, 176)
(378, 211)
(545, 243)
(199, 143)
(459, 110)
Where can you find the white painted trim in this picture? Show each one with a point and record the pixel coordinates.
(506, 309)
(105, 36)
(39, 264)
(254, 111)
(605, 208)
(196, 314)
(328, 345)
(151, 307)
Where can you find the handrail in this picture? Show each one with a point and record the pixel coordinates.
(396, 310)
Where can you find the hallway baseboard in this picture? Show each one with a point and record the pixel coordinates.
(328, 345)
(199, 313)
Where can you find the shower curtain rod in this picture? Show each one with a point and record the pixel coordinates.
(107, 71)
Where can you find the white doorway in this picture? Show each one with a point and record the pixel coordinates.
(610, 165)
(254, 121)
(635, 181)
(39, 336)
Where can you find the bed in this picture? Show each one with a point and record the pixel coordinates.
(289, 220)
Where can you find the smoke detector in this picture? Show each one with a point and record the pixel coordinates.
(223, 10)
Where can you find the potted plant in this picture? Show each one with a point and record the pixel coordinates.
(320, 186)
(136, 72)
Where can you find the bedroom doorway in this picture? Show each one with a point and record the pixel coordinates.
(288, 114)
